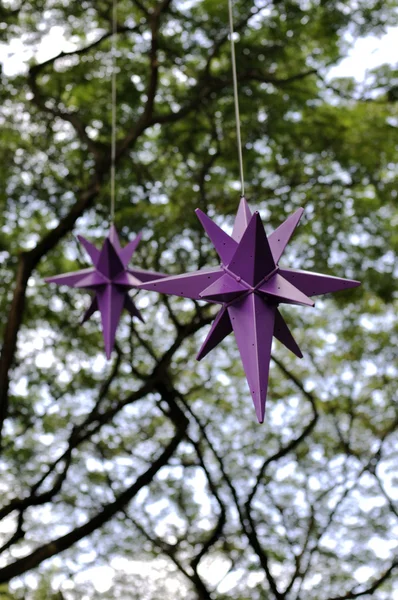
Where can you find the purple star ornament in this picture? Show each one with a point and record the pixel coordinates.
(250, 285)
(110, 279)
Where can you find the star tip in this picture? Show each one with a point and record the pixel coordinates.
(260, 415)
(300, 211)
(81, 237)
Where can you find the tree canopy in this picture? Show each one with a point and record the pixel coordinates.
(151, 464)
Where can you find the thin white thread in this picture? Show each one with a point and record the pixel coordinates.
(114, 100)
(236, 97)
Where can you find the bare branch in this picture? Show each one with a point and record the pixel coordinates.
(377, 583)
(64, 542)
(293, 443)
(37, 68)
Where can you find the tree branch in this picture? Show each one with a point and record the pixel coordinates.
(26, 264)
(29, 260)
(64, 542)
(293, 443)
(96, 419)
(377, 583)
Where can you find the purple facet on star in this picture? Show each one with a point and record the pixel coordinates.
(250, 285)
(110, 279)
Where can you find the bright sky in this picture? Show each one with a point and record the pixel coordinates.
(367, 53)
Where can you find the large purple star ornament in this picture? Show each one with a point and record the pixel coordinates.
(110, 279)
(250, 285)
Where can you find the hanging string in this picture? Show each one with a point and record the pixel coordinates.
(236, 97)
(113, 101)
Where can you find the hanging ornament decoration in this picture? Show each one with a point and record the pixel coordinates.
(110, 279)
(249, 284)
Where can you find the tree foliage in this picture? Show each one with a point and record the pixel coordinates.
(153, 464)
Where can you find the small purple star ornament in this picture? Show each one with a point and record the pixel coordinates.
(110, 279)
(250, 285)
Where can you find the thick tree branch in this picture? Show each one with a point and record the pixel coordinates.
(29, 260)
(26, 265)
(64, 542)
(18, 534)
(97, 418)
(35, 499)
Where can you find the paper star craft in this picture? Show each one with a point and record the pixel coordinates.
(249, 285)
(110, 279)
